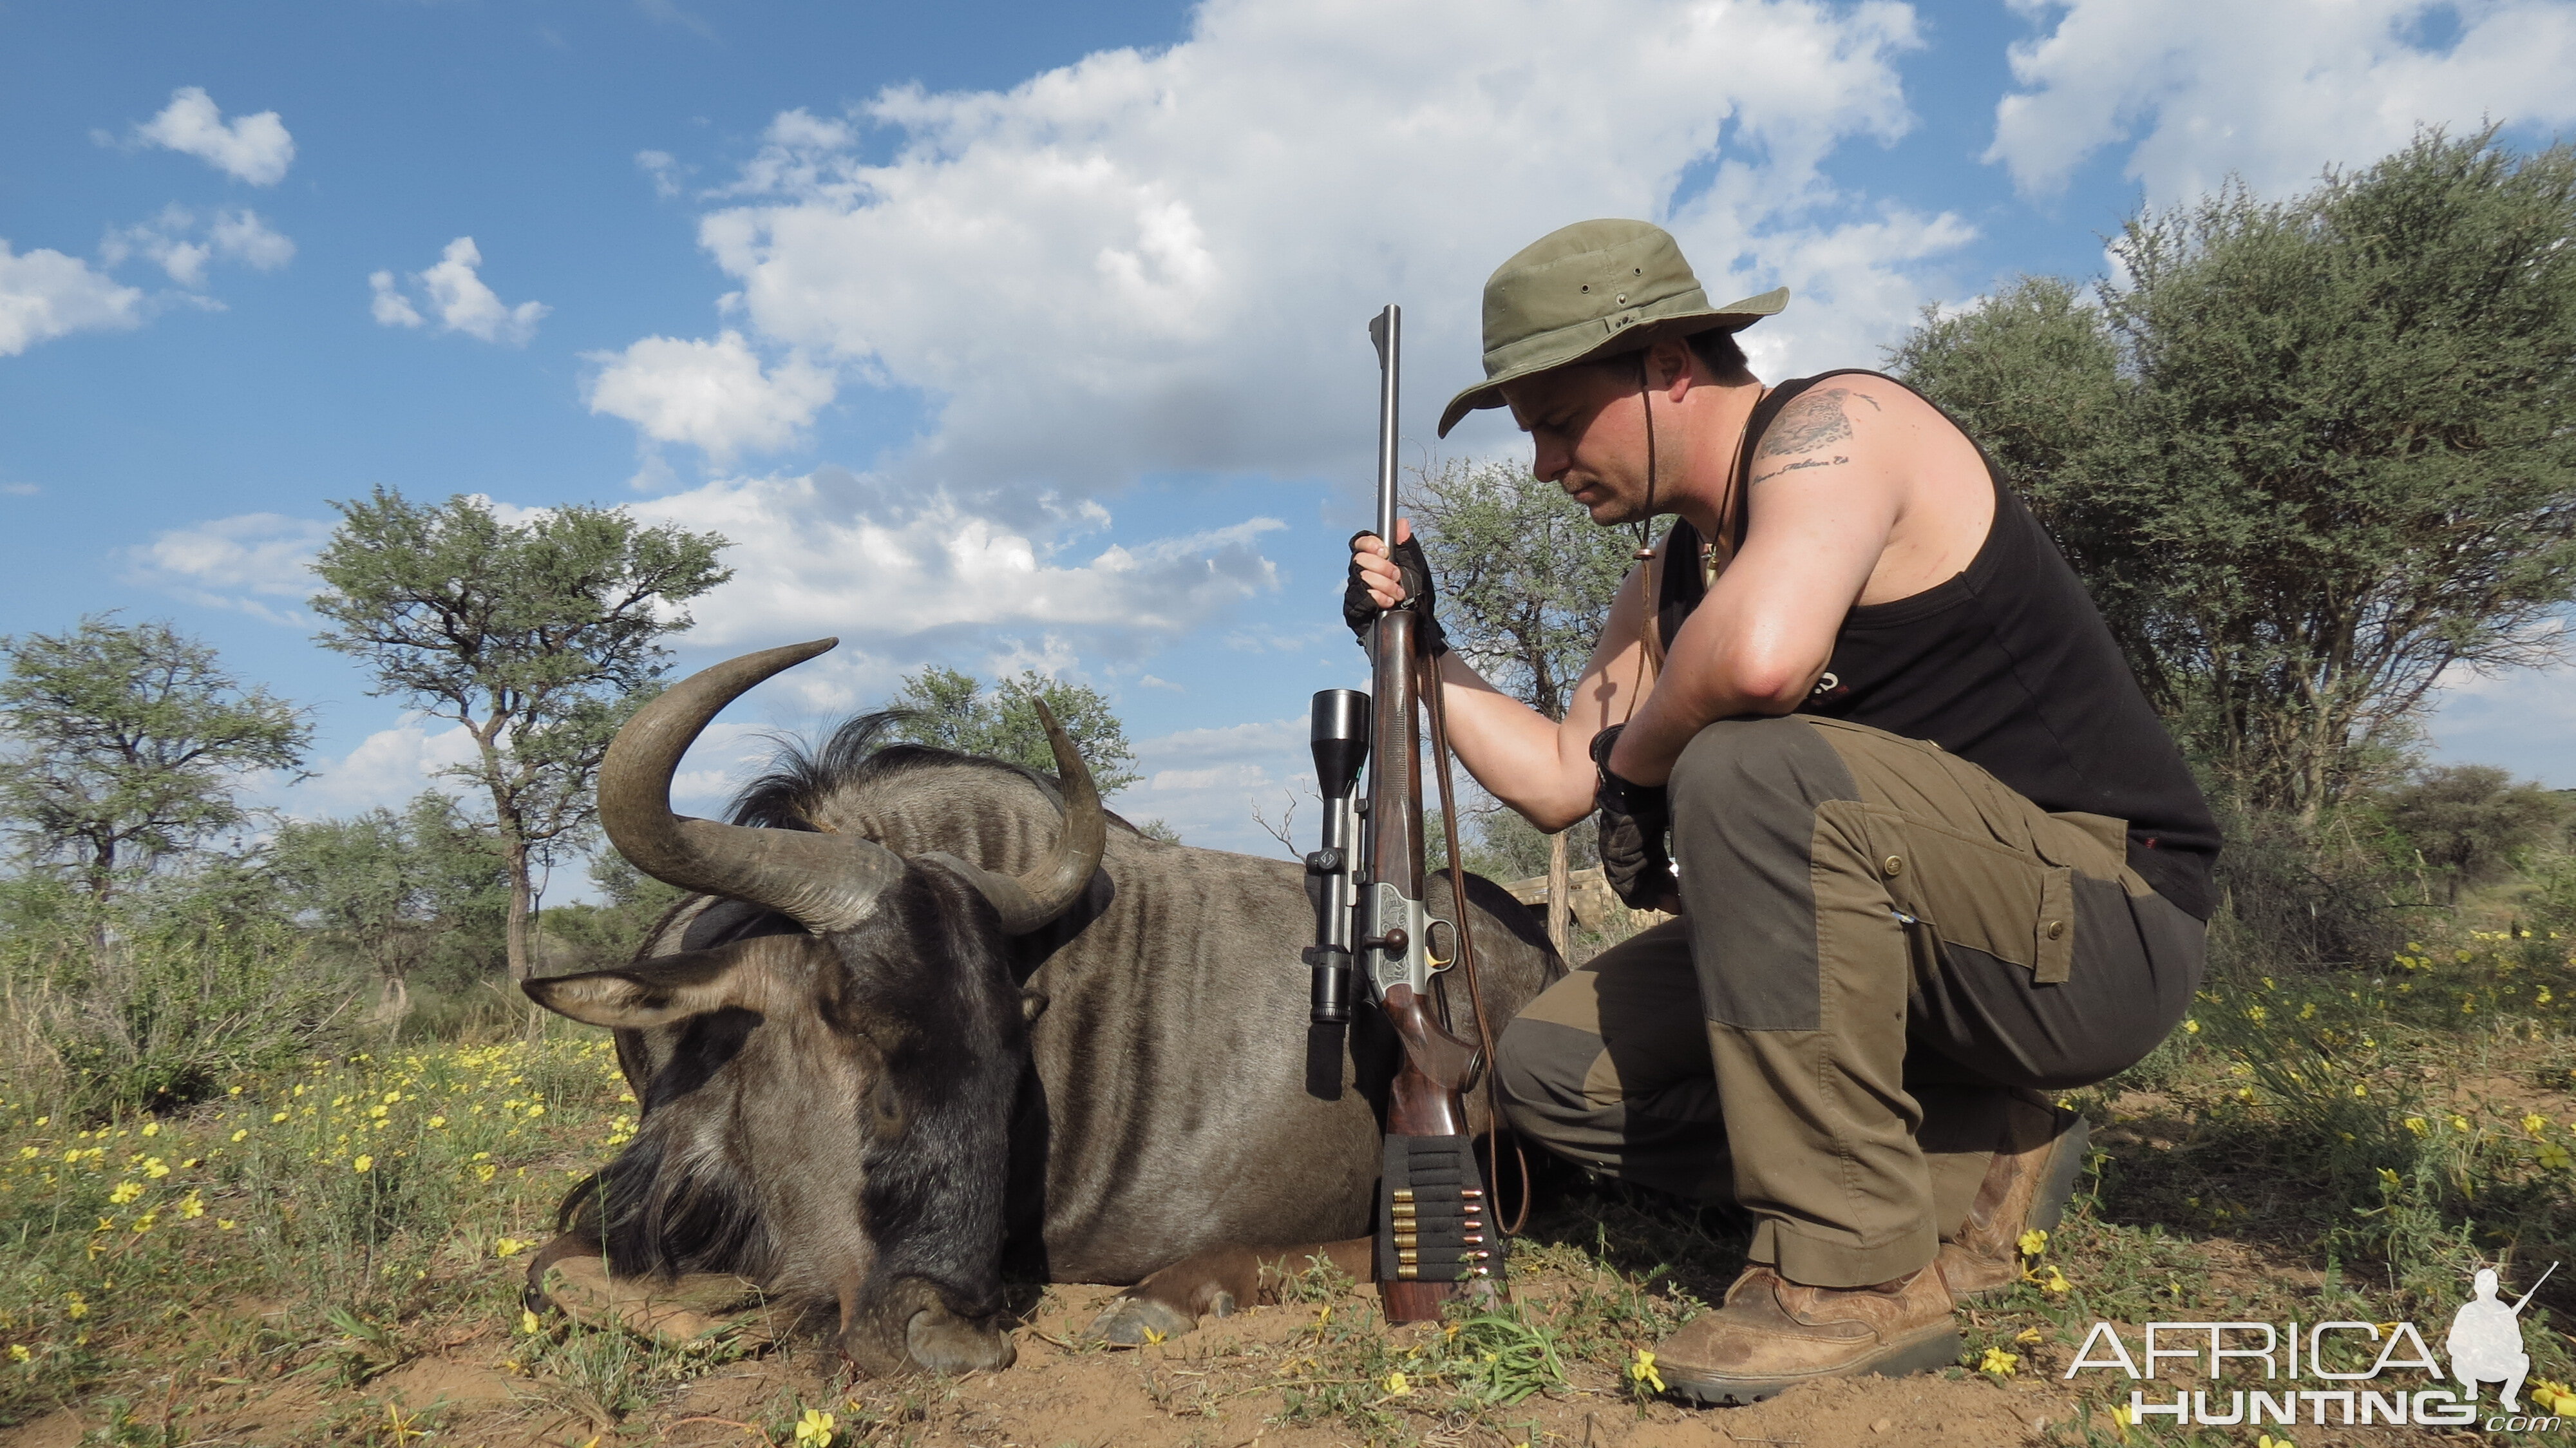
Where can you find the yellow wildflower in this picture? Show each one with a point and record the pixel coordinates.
(2027, 1336)
(1999, 1362)
(75, 1306)
(152, 1128)
(1642, 1371)
(154, 1168)
(2033, 1242)
(1397, 1384)
(18, 1352)
(509, 1247)
(241, 1134)
(2459, 1123)
(436, 1122)
(191, 1207)
(125, 1192)
(363, 1163)
(2053, 1282)
(528, 1322)
(2535, 1123)
(814, 1430)
(2190, 1027)
(2416, 1125)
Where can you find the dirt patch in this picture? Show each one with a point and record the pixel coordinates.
(1250, 1378)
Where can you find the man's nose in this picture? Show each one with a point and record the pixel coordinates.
(1549, 463)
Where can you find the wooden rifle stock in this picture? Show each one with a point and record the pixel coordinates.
(1425, 1098)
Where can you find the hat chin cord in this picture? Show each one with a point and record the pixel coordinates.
(1652, 660)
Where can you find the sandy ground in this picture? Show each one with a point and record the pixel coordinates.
(1221, 1387)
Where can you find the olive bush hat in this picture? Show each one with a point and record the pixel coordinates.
(1587, 291)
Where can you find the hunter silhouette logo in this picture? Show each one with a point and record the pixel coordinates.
(2486, 1341)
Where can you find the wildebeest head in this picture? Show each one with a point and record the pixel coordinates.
(826, 1112)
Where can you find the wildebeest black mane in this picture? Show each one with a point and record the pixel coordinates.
(802, 778)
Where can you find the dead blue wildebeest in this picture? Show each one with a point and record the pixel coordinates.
(932, 1021)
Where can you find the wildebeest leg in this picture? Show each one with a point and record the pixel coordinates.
(1218, 1281)
(570, 1244)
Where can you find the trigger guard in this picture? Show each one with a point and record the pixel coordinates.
(1430, 943)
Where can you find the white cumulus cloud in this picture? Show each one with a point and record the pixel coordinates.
(2272, 92)
(711, 395)
(1163, 260)
(455, 293)
(242, 562)
(255, 149)
(1218, 787)
(834, 552)
(45, 294)
(182, 243)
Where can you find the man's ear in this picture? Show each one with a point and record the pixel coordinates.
(658, 992)
(1670, 367)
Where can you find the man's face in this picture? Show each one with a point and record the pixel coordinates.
(1587, 429)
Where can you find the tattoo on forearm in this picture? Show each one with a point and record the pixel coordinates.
(1809, 422)
(1837, 460)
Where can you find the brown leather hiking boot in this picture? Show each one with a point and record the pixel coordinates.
(2026, 1187)
(1774, 1334)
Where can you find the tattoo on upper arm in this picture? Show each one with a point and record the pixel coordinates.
(1809, 422)
(1837, 460)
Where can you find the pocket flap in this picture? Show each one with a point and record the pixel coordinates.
(2053, 948)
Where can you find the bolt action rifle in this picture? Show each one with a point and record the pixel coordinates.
(1368, 882)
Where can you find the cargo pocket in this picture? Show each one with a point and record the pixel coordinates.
(1976, 893)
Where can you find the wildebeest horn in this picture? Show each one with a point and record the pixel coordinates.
(821, 881)
(1031, 900)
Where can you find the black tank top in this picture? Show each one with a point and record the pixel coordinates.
(2007, 665)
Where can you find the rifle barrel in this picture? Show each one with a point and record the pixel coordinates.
(1387, 331)
(2535, 1288)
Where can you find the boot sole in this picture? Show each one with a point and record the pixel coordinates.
(2048, 1207)
(1943, 1348)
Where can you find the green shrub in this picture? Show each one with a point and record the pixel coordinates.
(157, 998)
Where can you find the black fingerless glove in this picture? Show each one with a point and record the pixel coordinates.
(1413, 571)
(1633, 820)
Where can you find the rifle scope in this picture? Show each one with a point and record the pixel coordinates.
(1340, 738)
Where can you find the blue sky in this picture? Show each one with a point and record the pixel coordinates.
(1016, 335)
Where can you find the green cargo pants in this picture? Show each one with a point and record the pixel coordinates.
(1880, 943)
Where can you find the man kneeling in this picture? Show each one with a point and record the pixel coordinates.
(1936, 855)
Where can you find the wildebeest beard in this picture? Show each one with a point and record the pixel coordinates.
(841, 1133)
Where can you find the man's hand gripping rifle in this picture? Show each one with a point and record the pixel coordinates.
(1368, 883)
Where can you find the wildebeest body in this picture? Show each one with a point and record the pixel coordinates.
(1153, 1108)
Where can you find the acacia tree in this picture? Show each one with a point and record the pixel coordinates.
(538, 637)
(2311, 455)
(953, 710)
(129, 743)
(1525, 585)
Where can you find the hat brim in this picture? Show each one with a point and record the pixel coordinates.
(1734, 317)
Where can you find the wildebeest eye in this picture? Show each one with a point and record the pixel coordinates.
(885, 1108)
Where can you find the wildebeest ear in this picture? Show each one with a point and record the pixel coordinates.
(658, 992)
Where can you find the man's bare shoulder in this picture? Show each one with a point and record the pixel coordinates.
(1850, 408)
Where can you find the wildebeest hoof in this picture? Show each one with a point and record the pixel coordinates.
(944, 1344)
(1132, 1321)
